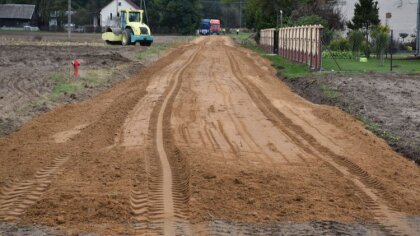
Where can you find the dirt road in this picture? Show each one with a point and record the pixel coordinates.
(206, 141)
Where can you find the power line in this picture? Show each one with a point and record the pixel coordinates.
(69, 20)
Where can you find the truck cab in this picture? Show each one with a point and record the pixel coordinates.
(215, 27)
(204, 27)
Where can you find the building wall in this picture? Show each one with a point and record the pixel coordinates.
(14, 22)
(404, 13)
(112, 9)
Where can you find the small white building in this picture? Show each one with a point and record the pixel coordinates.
(109, 14)
(404, 14)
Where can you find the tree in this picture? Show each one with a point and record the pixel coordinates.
(403, 36)
(380, 41)
(355, 38)
(180, 16)
(261, 14)
(366, 15)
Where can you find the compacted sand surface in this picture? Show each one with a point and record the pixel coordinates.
(206, 141)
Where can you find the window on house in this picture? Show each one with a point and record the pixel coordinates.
(110, 15)
(119, 3)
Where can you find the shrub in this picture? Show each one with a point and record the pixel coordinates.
(356, 38)
(340, 44)
(337, 54)
(380, 41)
(366, 48)
(327, 33)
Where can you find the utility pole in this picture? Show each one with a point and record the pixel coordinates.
(418, 30)
(145, 11)
(391, 46)
(69, 20)
(281, 19)
(240, 14)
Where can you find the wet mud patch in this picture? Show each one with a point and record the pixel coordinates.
(388, 104)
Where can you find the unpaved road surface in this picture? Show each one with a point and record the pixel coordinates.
(206, 141)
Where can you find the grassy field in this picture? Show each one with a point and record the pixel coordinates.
(241, 36)
(373, 65)
(159, 48)
(285, 68)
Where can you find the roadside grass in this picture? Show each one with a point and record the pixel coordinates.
(285, 68)
(329, 92)
(63, 83)
(378, 130)
(241, 36)
(157, 49)
(373, 65)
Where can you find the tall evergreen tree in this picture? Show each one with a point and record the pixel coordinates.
(366, 15)
(180, 16)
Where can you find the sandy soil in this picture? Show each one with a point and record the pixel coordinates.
(205, 141)
(390, 102)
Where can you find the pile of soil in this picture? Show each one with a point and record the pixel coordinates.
(388, 102)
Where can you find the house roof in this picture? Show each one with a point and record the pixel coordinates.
(16, 11)
(135, 6)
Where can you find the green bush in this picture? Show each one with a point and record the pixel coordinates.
(327, 33)
(337, 54)
(356, 38)
(380, 41)
(367, 49)
(340, 44)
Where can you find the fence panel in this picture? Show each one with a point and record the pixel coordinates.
(267, 40)
(301, 44)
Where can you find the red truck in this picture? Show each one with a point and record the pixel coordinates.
(215, 26)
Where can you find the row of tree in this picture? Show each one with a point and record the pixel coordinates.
(366, 33)
(166, 16)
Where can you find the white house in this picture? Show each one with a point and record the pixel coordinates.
(404, 14)
(109, 14)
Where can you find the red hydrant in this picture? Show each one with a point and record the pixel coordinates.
(76, 65)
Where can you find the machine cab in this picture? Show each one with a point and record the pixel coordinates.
(131, 17)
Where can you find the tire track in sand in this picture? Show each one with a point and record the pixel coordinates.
(17, 196)
(370, 186)
(161, 210)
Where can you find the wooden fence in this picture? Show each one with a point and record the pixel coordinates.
(267, 40)
(301, 44)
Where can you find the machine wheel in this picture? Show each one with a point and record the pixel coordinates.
(145, 44)
(126, 37)
(110, 42)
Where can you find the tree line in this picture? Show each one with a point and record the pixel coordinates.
(261, 14)
(165, 16)
(183, 16)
